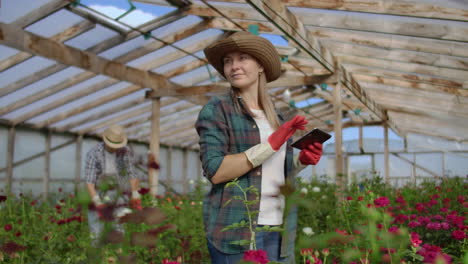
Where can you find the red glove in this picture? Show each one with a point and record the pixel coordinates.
(100, 209)
(285, 131)
(136, 204)
(311, 154)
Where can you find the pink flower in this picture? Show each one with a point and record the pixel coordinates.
(307, 252)
(433, 226)
(461, 199)
(415, 240)
(432, 254)
(445, 225)
(419, 207)
(459, 234)
(401, 219)
(381, 202)
(166, 261)
(393, 230)
(8, 227)
(256, 256)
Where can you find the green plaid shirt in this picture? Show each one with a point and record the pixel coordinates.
(225, 130)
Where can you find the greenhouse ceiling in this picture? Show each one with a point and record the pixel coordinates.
(80, 66)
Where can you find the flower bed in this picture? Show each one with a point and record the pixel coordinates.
(373, 224)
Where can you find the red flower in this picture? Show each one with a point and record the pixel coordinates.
(349, 198)
(394, 230)
(459, 235)
(256, 256)
(18, 234)
(143, 191)
(360, 198)
(3, 198)
(11, 247)
(381, 202)
(71, 238)
(460, 199)
(8, 227)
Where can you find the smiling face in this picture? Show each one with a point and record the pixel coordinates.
(241, 70)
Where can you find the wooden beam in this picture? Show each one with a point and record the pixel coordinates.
(293, 28)
(391, 41)
(340, 177)
(17, 38)
(448, 73)
(10, 159)
(385, 7)
(414, 27)
(78, 160)
(39, 13)
(79, 109)
(100, 115)
(46, 176)
(412, 57)
(63, 36)
(406, 76)
(32, 157)
(117, 119)
(388, 7)
(55, 104)
(154, 145)
(413, 85)
(414, 164)
(430, 125)
(386, 155)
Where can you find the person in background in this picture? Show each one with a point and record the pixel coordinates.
(111, 161)
(242, 137)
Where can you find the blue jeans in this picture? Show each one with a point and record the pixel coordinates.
(268, 241)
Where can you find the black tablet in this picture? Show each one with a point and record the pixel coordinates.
(315, 135)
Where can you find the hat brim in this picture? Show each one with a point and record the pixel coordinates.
(260, 48)
(113, 144)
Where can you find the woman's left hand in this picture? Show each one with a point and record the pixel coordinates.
(311, 154)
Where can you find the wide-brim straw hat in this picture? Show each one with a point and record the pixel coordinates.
(115, 137)
(258, 47)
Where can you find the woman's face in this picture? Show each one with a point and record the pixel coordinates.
(241, 70)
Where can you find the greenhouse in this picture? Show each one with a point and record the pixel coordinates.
(387, 79)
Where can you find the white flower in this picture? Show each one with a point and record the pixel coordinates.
(308, 231)
(106, 199)
(316, 189)
(191, 182)
(324, 197)
(122, 211)
(304, 190)
(204, 180)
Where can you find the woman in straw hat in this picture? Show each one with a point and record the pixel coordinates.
(242, 137)
(110, 161)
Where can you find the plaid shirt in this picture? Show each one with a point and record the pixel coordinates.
(95, 165)
(223, 130)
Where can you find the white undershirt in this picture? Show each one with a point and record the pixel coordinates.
(271, 208)
(110, 163)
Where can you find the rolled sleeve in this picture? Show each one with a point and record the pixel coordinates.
(213, 131)
(91, 168)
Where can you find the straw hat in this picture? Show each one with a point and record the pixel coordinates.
(115, 137)
(256, 46)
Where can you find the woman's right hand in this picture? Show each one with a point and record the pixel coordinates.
(285, 131)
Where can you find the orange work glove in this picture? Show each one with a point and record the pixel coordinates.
(285, 131)
(311, 154)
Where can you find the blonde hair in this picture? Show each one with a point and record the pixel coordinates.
(264, 101)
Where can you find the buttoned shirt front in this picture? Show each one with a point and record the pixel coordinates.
(225, 130)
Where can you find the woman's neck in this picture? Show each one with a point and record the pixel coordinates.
(250, 98)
